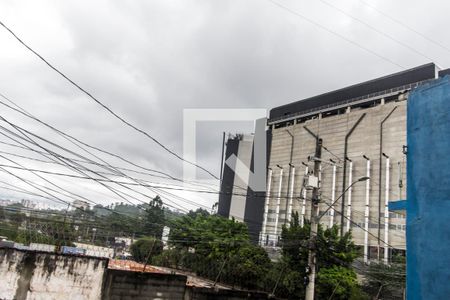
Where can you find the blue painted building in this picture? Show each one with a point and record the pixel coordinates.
(428, 205)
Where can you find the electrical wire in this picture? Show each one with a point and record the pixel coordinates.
(108, 109)
(405, 26)
(78, 142)
(317, 24)
(386, 35)
(29, 139)
(62, 158)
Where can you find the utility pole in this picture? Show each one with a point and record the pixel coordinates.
(314, 224)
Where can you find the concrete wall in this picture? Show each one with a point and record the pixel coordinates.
(239, 199)
(226, 186)
(39, 275)
(365, 140)
(35, 275)
(196, 293)
(428, 201)
(126, 285)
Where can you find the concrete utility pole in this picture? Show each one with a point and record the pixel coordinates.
(315, 218)
(314, 224)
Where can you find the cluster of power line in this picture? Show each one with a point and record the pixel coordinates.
(81, 166)
(372, 28)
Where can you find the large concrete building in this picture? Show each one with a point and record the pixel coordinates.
(363, 130)
(233, 199)
(237, 200)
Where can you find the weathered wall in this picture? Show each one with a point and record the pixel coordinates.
(428, 201)
(126, 285)
(196, 293)
(38, 275)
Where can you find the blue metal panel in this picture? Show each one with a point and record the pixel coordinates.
(428, 205)
(397, 205)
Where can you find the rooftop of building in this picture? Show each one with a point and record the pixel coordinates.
(393, 83)
(192, 280)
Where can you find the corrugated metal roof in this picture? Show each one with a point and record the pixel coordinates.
(130, 265)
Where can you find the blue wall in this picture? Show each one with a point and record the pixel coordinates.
(428, 205)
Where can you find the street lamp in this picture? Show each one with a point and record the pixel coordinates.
(362, 179)
(312, 251)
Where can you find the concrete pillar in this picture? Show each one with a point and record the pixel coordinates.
(291, 194)
(333, 196)
(277, 212)
(366, 215)
(386, 215)
(263, 238)
(302, 219)
(349, 197)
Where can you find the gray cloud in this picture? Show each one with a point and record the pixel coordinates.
(150, 60)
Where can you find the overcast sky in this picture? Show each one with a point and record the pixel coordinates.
(150, 60)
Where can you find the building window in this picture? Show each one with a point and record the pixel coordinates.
(358, 225)
(393, 215)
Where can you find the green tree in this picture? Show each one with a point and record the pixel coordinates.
(13, 214)
(168, 258)
(333, 249)
(334, 253)
(248, 267)
(144, 249)
(120, 224)
(198, 211)
(217, 248)
(386, 281)
(2, 213)
(100, 210)
(338, 282)
(154, 219)
(208, 235)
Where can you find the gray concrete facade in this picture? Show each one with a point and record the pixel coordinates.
(233, 197)
(369, 120)
(364, 141)
(363, 130)
(239, 198)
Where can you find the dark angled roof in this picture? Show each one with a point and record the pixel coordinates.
(442, 73)
(414, 75)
